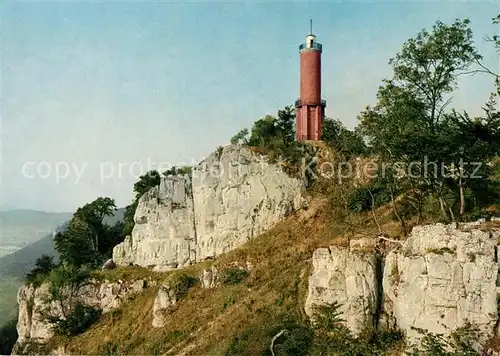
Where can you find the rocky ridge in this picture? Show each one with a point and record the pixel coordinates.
(232, 196)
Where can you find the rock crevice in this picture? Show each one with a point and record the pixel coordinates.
(442, 277)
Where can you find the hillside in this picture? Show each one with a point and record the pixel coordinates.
(22, 227)
(243, 313)
(238, 319)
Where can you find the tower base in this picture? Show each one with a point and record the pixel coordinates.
(309, 122)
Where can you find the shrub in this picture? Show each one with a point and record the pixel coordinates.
(231, 276)
(43, 266)
(180, 283)
(376, 193)
(77, 321)
(460, 342)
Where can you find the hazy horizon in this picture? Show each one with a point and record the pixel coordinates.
(99, 86)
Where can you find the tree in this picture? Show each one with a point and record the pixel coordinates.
(146, 182)
(407, 124)
(87, 238)
(43, 265)
(336, 135)
(472, 144)
(71, 316)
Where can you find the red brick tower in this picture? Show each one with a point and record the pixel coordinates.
(310, 109)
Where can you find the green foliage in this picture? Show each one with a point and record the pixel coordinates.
(43, 266)
(369, 197)
(71, 317)
(240, 137)
(8, 336)
(77, 321)
(128, 218)
(333, 337)
(146, 182)
(460, 342)
(178, 171)
(410, 127)
(231, 276)
(348, 143)
(180, 283)
(88, 240)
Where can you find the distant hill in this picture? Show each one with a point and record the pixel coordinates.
(19, 228)
(18, 263)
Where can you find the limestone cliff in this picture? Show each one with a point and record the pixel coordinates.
(32, 326)
(231, 196)
(441, 277)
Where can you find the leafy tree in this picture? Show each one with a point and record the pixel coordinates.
(71, 316)
(43, 266)
(472, 143)
(336, 135)
(87, 239)
(146, 182)
(407, 126)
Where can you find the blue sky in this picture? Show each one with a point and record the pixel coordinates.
(92, 85)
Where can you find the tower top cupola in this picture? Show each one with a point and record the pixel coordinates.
(310, 43)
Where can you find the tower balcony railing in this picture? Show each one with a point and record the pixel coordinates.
(299, 103)
(314, 45)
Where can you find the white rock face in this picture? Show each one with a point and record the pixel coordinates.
(238, 196)
(209, 278)
(440, 278)
(350, 279)
(232, 196)
(32, 327)
(164, 233)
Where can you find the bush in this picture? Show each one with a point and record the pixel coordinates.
(43, 266)
(461, 342)
(80, 319)
(333, 337)
(180, 283)
(297, 341)
(232, 276)
(376, 193)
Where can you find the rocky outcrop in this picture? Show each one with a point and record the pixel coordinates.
(164, 231)
(166, 298)
(440, 278)
(32, 301)
(348, 277)
(209, 278)
(230, 197)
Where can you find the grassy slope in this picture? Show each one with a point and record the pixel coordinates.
(243, 317)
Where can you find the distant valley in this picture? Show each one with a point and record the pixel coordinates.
(25, 236)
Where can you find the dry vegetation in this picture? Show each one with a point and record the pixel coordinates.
(242, 317)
